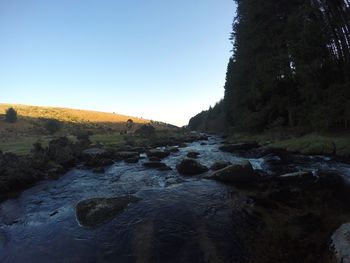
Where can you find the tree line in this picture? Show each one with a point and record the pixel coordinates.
(290, 65)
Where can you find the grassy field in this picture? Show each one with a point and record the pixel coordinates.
(19, 137)
(313, 143)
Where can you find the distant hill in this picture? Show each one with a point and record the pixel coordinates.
(31, 119)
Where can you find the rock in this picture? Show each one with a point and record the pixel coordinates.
(54, 170)
(99, 170)
(158, 153)
(157, 165)
(193, 155)
(239, 147)
(190, 166)
(132, 160)
(127, 155)
(94, 152)
(172, 149)
(98, 162)
(203, 143)
(96, 211)
(183, 145)
(341, 243)
(154, 159)
(241, 172)
(295, 177)
(219, 165)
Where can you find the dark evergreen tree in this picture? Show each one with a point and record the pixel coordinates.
(290, 65)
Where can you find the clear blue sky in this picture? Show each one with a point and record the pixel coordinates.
(158, 59)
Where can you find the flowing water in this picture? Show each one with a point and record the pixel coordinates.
(179, 219)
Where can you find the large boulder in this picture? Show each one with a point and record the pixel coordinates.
(241, 172)
(158, 153)
(239, 147)
(96, 211)
(190, 166)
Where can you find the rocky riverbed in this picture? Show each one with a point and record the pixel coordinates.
(182, 204)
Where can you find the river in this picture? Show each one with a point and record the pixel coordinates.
(179, 219)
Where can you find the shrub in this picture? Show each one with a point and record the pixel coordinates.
(11, 115)
(53, 126)
(129, 124)
(146, 130)
(83, 137)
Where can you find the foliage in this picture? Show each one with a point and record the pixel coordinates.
(11, 115)
(209, 120)
(129, 124)
(290, 65)
(146, 130)
(52, 125)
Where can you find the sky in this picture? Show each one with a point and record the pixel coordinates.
(157, 59)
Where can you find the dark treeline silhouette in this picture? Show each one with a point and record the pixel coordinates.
(290, 65)
(212, 119)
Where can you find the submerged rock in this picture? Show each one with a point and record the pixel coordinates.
(156, 165)
(190, 166)
(172, 149)
(239, 147)
(241, 172)
(158, 153)
(219, 165)
(341, 243)
(127, 155)
(96, 211)
(132, 160)
(193, 155)
(297, 176)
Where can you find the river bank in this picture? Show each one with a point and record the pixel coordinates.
(337, 144)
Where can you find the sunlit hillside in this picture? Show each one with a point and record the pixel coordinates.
(69, 115)
(31, 121)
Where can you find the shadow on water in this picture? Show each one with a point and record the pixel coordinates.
(179, 219)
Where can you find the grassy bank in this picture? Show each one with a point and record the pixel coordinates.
(313, 143)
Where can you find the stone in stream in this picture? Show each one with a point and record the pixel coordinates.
(219, 165)
(132, 160)
(127, 155)
(154, 159)
(190, 166)
(156, 165)
(158, 153)
(295, 177)
(239, 147)
(96, 211)
(341, 243)
(172, 149)
(241, 172)
(193, 155)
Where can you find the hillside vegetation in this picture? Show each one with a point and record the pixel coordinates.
(31, 124)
